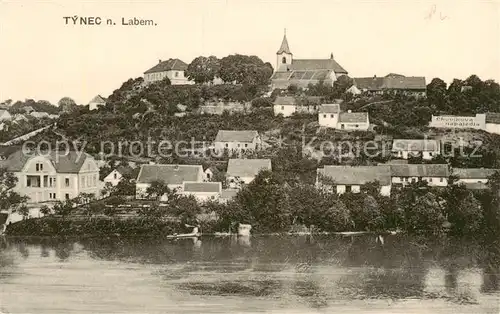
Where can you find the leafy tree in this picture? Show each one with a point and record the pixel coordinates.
(436, 93)
(186, 208)
(24, 211)
(9, 199)
(63, 208)
(463, 210)
(45, 210)
(203, 69)
(67, 104)
(157, 189)
(249, 70)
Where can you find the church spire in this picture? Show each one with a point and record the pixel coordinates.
(284, 45)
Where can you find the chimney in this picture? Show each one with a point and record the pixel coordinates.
(159, 60)
(375, 76)
(331, 55)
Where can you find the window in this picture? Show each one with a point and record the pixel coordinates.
(342, 126)
(66, 181)
(176, 74)
(282, 107)
(356, 126)
(83, 182)
(246, 145)
(227, 145)
(115, 175)
(283, 60)
(324, 116)
(441, 179)
(331, 116)
(39, 167)
(66, 196)
(52, 196)
(238, 145)
(348, 188)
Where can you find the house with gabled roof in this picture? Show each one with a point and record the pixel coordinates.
(425, 148)
(245, 170)
(302, 72)
(117, 174)
(174, 69)
(5, 115)
(172, 175)
(288, 105)
(473, 178)
(342, 179)
(391, 83)
(54, 175)
(97, 102)
(433, 174)
(330, 116)
(232, 141)
(202, 191)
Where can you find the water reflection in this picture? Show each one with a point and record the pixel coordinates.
(314, 271)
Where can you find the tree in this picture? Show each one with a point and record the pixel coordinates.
(45, 210)
(463, 210)
(67, 104)
(203, 69)
(157, 189)
(436, 93)
(9, 199)
(63, 208)
(249, 70)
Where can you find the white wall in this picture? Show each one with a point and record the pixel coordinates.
(493, 128)
(434, 181)
(236, 146)
(329, 120)
(354, 126)
(114, 178)
(285, 110)
(203, 196)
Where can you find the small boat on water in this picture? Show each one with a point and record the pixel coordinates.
(194, 234)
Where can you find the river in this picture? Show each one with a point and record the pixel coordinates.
(261, 274)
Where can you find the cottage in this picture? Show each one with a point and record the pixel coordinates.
(344, 179)
(202, 191)
(5, 115)
(115, 176)
(302, 72)
(174, 69)
(96, 102)
(425, 148)
(245, 170)
(288, 105)
(330, 116)
(237, 140)
(434, 174)
(172, 175)
(52, 176)
(391, 83)
(473, 178)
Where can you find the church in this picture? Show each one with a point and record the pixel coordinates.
(302, 72)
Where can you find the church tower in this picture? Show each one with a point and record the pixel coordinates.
(284, 56)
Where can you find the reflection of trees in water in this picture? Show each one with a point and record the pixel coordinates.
(490, 265)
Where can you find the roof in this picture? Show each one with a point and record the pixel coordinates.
(203, 187)
(493, 117)
(170, 174)
(38, 114)
(390, 81)
(475, 185)
(3, 111)
(247, 167)
(284, 46)
(415, 145)
(6, 150)
(353, 117)
(285, 101)
(358, 175)
(420, 170)
(329, 108)
(474, 173)
(405, 83)
(168, 65)
(313, 76)
(316, 64)
(229, 193)
(98, 99)
(236, 136)
(63, 162)
(369, 83)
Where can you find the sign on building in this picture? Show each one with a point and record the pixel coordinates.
(464, 122)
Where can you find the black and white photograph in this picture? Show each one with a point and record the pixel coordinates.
(249, 157)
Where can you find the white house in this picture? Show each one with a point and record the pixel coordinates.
(172, 175)
(288, 105)
(5, 115)
(202, 191)
(344, 179)
(52, 176)
(97, 102)
(493, 122)
(330, 116)
(473, 178)
(426, 148)
(245, 170)
(114, 177)
(434, 174)
(174, 69)
(237, 140)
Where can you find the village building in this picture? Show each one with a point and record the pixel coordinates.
(202, 191)
(302, 72)
(473, 178)
(5, 115)
(53, 176)
(228, 195)
(330, 116)
(28, 109)
(426, 148)
(39, 115)
(391, 83)
(115, 176)
(174, 69)
(343, 179)
(97, 102)
(19, 118)
(172, 175)
(219, 107)
(244, 171)
(288, 105)
(237, 141)
(433, 174)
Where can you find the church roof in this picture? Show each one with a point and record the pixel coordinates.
(317, 64)
(284, 46)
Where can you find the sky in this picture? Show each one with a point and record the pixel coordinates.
(43, 58)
